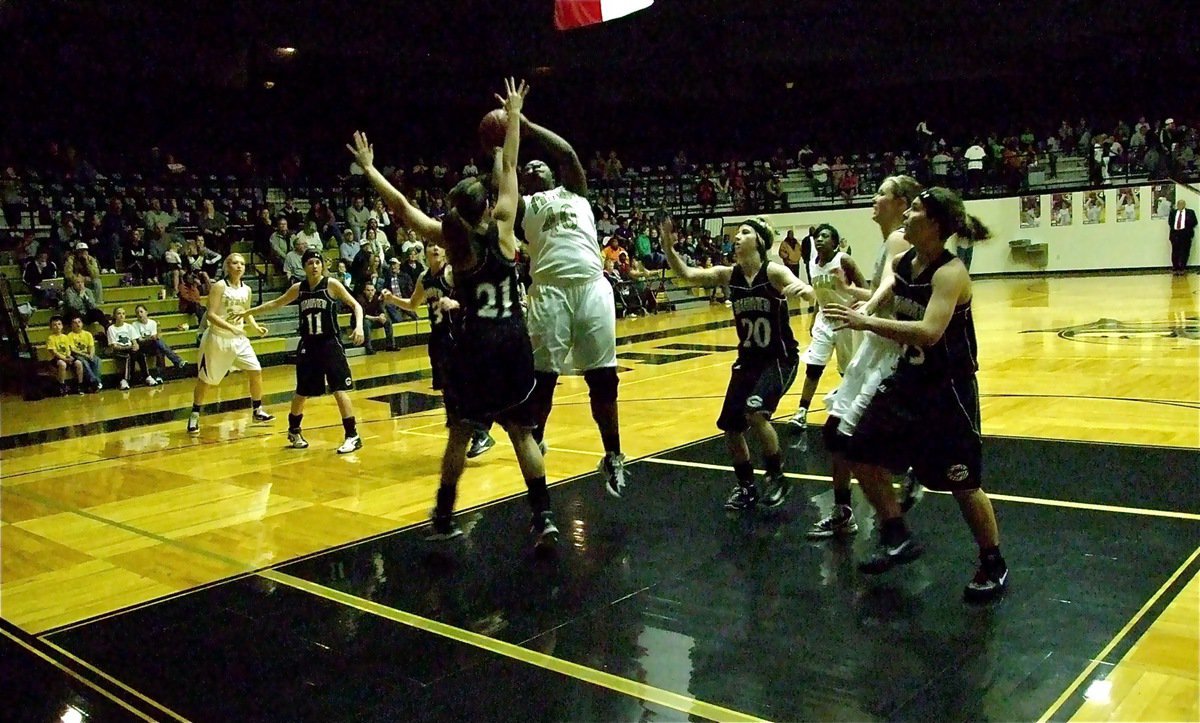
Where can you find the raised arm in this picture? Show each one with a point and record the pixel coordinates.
(507, 194)
(570, 170)
(715, 276)
(413, 217)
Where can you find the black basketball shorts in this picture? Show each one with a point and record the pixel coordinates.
(755, 387)
(319, 362)
(933, 428)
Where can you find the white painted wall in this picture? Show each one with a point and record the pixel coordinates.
(1110, 245)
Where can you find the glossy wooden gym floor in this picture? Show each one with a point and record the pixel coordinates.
(151, 575)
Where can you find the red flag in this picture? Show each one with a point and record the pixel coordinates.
(570, 14)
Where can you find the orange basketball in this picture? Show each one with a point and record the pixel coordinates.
(492, 128)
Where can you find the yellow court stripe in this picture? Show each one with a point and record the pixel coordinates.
(1116, 640)
(1148, 512)
(682, 703)
(114, 681)
(76, 676)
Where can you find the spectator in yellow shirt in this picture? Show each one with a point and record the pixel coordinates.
(83, 349)
(59, 346)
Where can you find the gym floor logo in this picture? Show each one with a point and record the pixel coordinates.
(1106, 331)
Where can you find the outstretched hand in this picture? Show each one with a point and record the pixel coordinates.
(514, 98)
(844, 317)
(363, 150)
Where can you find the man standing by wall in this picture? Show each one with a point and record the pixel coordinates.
(1183, 229)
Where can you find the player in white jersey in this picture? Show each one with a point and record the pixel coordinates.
(831, 271)
(224, 345)
(874, 361)
(571, 306)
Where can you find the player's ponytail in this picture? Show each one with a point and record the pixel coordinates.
(974, 229)
(469, 197)
(456, 238)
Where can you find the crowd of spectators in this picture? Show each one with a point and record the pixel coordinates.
(166, 226)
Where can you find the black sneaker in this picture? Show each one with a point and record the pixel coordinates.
(989, 583)
(839, 522)
(886, 556)
(778, 487)
(442, 527)
(260, 416)
(542, 525)
(911, 492)
(480, 444)
(742, 498)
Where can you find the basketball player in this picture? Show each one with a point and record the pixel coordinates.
(828, 262)
(491, 365)
(320, 358)
(874, 360)
(767, 352)
(224, 345)
(434, 289)
(571, 305)
(926, 414)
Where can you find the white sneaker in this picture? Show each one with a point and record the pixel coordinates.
(351, 444)
(193, 425)
(800, 420)
(613, 467)
(296, 440)
(124, 384)
(151, 382)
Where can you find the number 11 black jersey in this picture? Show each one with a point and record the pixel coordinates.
(760, 313)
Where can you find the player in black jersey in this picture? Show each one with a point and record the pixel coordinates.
(435, 290)
(926, 414)
(767, 352)
(491, 364)
(320, 357)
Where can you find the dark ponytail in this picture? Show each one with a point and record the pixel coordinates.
(974, 229)
(456, 238)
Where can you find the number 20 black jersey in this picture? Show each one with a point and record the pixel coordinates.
(760, 313)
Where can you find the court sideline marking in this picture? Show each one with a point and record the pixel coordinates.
(1194, 517)
(1099, 657)
(682, 703)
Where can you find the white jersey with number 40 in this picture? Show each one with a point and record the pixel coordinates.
(561, 232)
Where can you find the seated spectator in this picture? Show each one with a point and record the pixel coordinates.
(81, 265)
(280, 242)
(380, 214)
(157, 218)
(375, 317)
(146, 333)
(310, 237)
(122, 342)
(202, 259)
(214, 225)
(79, 301)
(59, 346)
(139, 267)
(364, 269)
(350, 246)
(37, 271)
(83, 349)
(342, 273)
(412, 265)
(193, 295)
(376, 244)
(357, 216)
(401, 286)
(612, 249)
(293, 263)
(172, 268)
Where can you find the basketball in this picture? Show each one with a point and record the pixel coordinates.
(492, 128)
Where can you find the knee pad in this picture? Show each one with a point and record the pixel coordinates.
(814, 372)
(602, 384)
